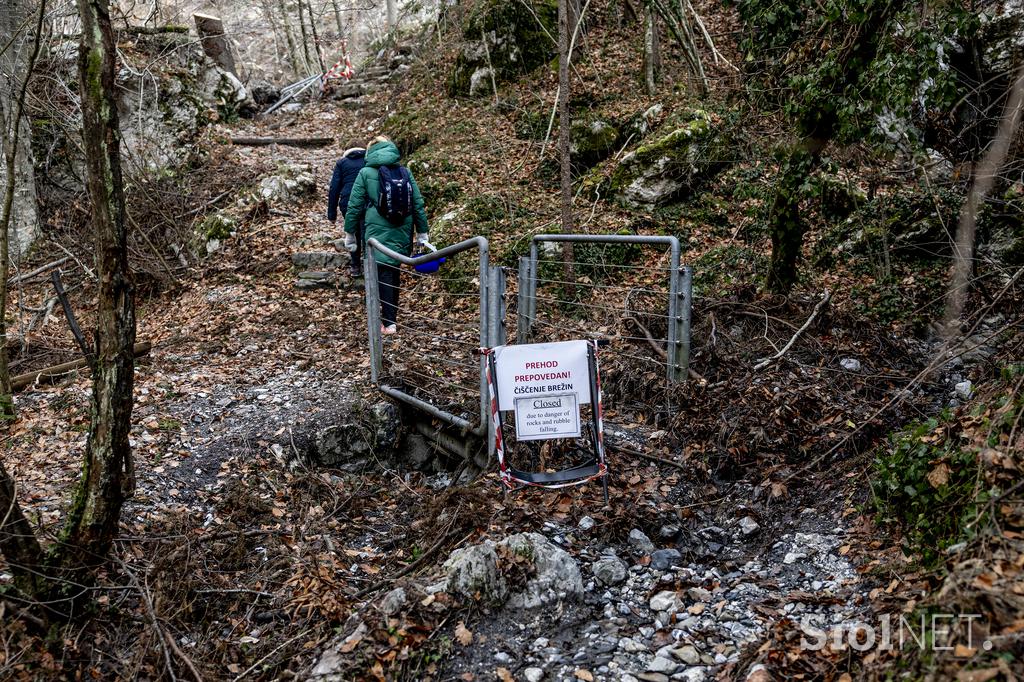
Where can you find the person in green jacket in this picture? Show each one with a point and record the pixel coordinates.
(362, 205)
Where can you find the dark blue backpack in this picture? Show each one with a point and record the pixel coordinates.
(394, 202)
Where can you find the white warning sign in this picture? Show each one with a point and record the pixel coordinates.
(542, 369)
(548, 416)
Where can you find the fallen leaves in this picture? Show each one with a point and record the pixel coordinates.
(462, 634)
(939, 475)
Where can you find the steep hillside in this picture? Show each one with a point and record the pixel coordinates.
(831, 464)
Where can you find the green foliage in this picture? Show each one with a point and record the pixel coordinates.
(837, 66)
(924, 482)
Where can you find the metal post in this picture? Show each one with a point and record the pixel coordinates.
(485, 338)
(686, 304)
(376, 342)
(674, 316)
(522, 296)
(373, 313)
(595, 421)
(499, 308)
(531, 302)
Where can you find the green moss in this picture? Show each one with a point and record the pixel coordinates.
(520, 40)
(692, 152)
(217, 226)
(592, 141)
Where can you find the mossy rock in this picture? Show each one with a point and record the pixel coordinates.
(217, 226)
(673, 165)
(593, 140)
(518, 36)
(408, 130)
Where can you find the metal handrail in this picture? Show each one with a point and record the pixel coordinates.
(376, 342)
(680, 291)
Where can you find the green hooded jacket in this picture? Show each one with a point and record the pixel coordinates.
(363, 200)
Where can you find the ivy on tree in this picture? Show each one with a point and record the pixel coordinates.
(837, 70)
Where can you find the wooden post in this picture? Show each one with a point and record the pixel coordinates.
(215, 42)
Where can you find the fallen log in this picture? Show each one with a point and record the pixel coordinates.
(50, 373)
(287, 141)
(155, 30)
(38, 271)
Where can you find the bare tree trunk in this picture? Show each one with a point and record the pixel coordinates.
(299, 67)
(17, 44)
(984, 179)
(650, 52)
(565, 162)
(392, 15)
(15, 139)
(107, 474)
(316, 38)
(305, 37)
(337, 18)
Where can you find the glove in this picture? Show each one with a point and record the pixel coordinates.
(421, 238)
(350, 242)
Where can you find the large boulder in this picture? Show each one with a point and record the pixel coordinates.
(167, 92)
(292, 183)
(472, 572)
(475, 572)
(358, 438)
(517, 36)
(672, 165)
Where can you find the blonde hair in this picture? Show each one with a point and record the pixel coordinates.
(379, 138)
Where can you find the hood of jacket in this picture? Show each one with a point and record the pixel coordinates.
(382, 154)
(354, 153)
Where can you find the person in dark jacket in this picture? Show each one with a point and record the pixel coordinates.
(363, 207)
(345, 172)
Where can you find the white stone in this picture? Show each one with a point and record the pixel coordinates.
(662, 665)
(963, 389)
(666, 600)
(533, 675)
(687, 654)
(586, 523)
(748, 526)
(850, 364)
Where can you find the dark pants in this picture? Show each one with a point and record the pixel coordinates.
(389, 278)
(357, 255)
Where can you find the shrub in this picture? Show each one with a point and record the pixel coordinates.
(929, 486)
